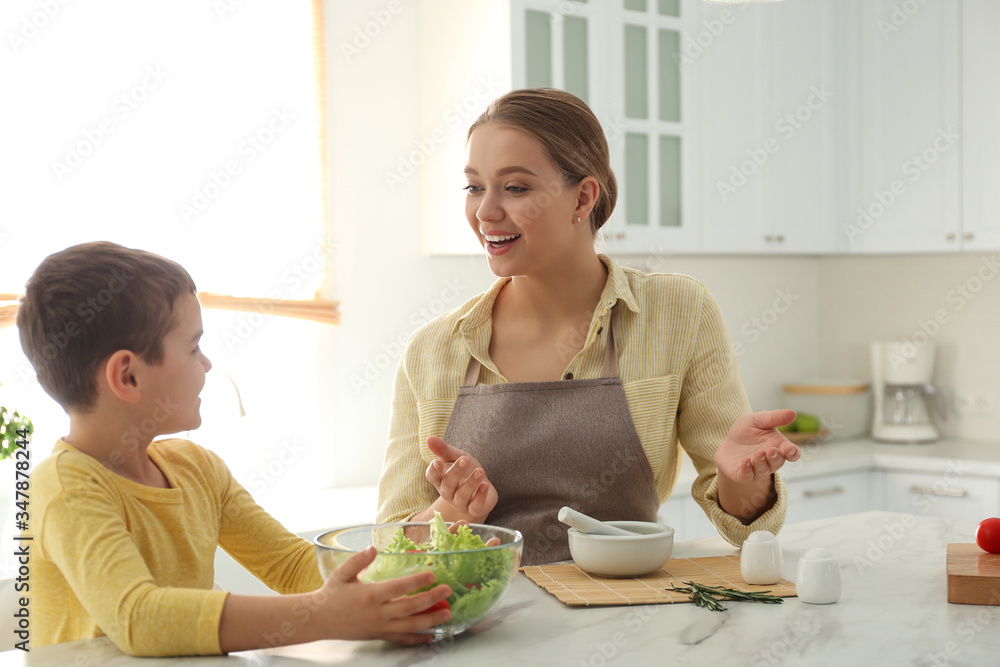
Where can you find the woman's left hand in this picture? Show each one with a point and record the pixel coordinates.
(754, 448)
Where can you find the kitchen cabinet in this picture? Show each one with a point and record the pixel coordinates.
(907, 150)
(811, 498)
(980, 131)
(830, 495)
(623, 58)
(686, 517)
(770, 113)
(817, 127)
(946, 496)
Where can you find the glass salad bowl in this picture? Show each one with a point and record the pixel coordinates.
(477, 574)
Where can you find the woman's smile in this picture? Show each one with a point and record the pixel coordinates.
(498, 244)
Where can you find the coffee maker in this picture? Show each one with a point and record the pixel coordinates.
(901, 386)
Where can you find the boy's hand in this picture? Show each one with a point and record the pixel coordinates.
(382, 610)
(461, 481)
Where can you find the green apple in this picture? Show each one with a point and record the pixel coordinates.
(787, 428)
(807, 423)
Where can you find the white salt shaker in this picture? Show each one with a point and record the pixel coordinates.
(761, 560)
(818, 580)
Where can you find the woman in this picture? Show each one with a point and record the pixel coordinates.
(571, 381)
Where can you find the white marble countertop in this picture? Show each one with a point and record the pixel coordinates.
(893, 611)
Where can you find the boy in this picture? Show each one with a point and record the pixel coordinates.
(128, 527)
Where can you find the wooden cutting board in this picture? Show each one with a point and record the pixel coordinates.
(973, 575)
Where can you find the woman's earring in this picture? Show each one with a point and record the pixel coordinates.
(578, 219)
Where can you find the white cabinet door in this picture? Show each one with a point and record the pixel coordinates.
(770, 112)
(980, 127)
(651, 115)
(829, 495)
(947, 496)
(908, 150)
(686, 517)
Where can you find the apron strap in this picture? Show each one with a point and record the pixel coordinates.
(608, 370)
(472, 372)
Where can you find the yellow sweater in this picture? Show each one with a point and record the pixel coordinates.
(136, 563)
(677, 365)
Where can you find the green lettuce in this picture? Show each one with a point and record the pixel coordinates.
(476, 577)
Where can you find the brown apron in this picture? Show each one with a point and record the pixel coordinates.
(548, 444)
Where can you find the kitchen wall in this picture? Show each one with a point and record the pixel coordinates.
(952, 301)
(387, 287)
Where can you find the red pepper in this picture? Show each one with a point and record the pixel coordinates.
(476, 586)
(415, 551)
(443, 604)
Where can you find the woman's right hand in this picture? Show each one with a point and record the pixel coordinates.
(461, 482)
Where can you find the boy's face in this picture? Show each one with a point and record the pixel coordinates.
(170, 389)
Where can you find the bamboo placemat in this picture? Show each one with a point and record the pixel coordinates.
(577, 588)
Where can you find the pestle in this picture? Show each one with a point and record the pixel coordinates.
(587, 524)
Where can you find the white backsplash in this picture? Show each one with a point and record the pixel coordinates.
(952, 300)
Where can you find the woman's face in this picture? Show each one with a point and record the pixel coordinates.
(518, 204)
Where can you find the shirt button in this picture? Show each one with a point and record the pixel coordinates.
(569, 376)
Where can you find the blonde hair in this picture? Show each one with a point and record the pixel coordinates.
(569, 133)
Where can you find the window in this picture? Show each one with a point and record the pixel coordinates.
(193, 129)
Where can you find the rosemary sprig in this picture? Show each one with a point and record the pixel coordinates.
(709, 596)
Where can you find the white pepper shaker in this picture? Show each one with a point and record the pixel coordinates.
(818, 580)
(761, 560)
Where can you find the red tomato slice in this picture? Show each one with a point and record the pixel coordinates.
(988, 535)
(443, 604)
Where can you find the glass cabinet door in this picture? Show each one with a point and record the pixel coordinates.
(649, 97)
(557, 45)
(632, 49)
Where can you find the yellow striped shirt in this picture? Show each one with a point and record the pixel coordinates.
(676, 361)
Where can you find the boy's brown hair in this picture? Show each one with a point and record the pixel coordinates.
(84, 303)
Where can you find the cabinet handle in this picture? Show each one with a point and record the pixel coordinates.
(779, 238)
(768, 238)
(832, 491)
(967, 236)
(932, 491)
(949, 237)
